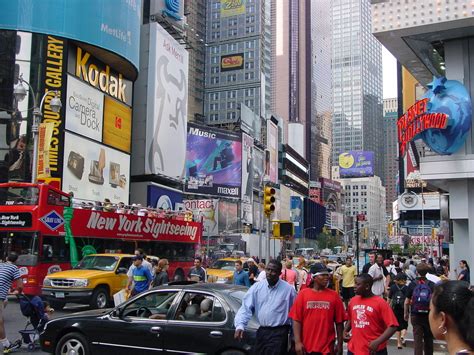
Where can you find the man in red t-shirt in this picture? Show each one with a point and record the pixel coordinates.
(371, 319)
(314, 314)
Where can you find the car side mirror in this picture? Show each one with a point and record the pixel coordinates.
(117, 313)
(121, 270)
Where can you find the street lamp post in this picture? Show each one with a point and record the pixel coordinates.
(19, 91)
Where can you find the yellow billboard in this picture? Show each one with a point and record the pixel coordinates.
(45, 134)
(232, 7)
(117, 124)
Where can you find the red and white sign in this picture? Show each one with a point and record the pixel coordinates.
(117, 225)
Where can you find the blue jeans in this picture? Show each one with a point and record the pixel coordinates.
(380, 352)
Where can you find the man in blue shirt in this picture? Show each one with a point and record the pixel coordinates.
(141, 276)
(270, 300)
(241, 277)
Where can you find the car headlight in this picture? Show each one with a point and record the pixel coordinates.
(81, 283)
(46, 282)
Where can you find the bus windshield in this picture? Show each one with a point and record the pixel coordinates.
(24, 244)
(18, 195)
(96, 262)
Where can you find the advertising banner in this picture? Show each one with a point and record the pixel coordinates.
(207, 211)
(232, 8)
(250, 122)
(271, 159)
(228, 217)
(213, 161)
(110, 24)
(258, 161)
(161, 197)
(94, 171)
(167, 105)
(84, 109)
(100, 75)
(117, 225)
(54, 78)
(45, 133)
(247, 179)
(356, 164)
(232, 62)
(117, 124)
(296, 215)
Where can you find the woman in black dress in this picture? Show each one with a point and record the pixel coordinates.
(397, 296)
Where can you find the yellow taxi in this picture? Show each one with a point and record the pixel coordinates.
(222, 271)
(93, 281)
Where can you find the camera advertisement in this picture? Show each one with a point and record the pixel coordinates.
(84, 109)
(94, 171)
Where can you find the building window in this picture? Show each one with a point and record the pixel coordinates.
(215, 80)
(249, 92)
(232, 77)
(249, 103)
(250, 29)
(214, 60)
(214, 70)
(249, 76)
(233, 22)
(230, 105)
(249, 65)
(231, 94)
(232, 32)
(215, 96)
(214, 107)
(231, 115)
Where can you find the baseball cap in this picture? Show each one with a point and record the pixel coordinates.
(318, 269)
(137, 257)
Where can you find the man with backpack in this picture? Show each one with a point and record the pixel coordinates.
(417, 303)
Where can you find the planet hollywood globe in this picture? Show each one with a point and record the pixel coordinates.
(452, 98)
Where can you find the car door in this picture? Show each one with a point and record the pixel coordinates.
(198, 325)
(137, 326)
(120, 279)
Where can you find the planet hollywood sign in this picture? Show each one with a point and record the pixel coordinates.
(416, 120)
(442, 118)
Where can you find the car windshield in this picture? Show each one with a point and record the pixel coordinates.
(224, 265)
(94, 262)
(237, 295)
(18, 195)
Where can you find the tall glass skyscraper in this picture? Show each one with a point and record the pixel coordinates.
(357, 82)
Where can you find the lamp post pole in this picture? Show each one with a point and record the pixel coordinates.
(19, 92)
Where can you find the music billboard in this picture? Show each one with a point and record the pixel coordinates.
(213, 161)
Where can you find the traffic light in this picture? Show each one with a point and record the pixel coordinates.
(390, 229)
(366, 232)
(269, 200)
(283, 229)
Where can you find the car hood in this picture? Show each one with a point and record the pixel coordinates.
(79, 274)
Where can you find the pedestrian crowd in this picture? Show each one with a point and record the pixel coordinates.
(314, 310)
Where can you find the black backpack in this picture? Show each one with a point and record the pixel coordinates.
(398, 299)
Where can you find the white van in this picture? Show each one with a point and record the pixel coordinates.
(306, 252)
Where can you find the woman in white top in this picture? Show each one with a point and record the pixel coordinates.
(262, 275)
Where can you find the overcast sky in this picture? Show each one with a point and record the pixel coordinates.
(389, 65)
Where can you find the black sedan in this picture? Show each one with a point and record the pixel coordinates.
(195, 318)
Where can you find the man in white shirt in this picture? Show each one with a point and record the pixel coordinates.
(376, 271)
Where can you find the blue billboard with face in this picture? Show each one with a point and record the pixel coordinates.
(356, 163)
(160, 197)
(213, 161)
(110, 24)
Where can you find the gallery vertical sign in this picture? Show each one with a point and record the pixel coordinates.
(247, 179)
(54, 79)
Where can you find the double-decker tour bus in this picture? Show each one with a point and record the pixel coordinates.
(37, 222)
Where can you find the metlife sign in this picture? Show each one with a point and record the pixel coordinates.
(84, 109)
(213, 161)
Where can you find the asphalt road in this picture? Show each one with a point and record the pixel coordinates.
(15, 321)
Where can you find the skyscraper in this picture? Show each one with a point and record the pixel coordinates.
(320, 141)
(357, 82)
(390, 163)
(195, 12)
(234, 70)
